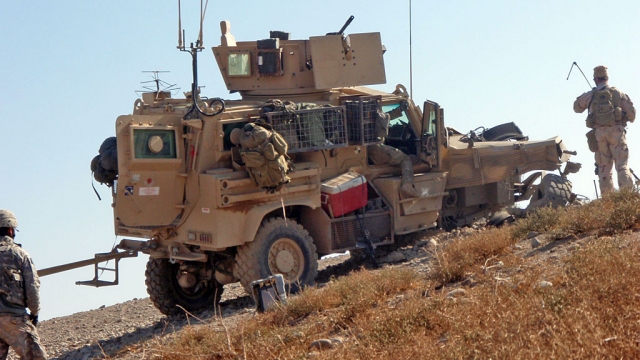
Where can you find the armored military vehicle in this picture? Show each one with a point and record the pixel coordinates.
(182, 186)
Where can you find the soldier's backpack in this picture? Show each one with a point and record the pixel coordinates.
(11, 283)
(105, 165)
(602, 109)
(267, 164)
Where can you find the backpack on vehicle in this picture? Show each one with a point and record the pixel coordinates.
(268, 163)
(311, 126)
(105, 165)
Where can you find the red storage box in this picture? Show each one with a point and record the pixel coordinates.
(343, 194)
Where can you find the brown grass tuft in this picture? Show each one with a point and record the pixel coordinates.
(459, 256)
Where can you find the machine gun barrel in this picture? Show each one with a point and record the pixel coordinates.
(344, 27)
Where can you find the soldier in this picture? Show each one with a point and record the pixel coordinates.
(381, 154)
(609, 111)
(19, 289)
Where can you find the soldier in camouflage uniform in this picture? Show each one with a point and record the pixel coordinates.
(19, 289)
(609, 111)
(381, 154)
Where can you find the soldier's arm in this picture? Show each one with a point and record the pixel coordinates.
(31, 286)
(627, 106)
(582, 102)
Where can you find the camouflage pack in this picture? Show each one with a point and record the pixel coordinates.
(268, 164)
(11, 277)
(603, 109)
(104, 166)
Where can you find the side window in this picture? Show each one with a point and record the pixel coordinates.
(431, 124)
(227, 128)
(398, 116)
(401, 135)
(154, 144)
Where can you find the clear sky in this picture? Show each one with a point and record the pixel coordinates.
(68, 69)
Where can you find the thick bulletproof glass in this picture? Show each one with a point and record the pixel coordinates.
(239, 64)
(154, 144)
(398, 117)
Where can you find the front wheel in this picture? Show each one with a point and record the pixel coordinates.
(280, 247)
(165, 292)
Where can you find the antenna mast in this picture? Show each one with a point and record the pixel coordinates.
(193, 51)
(410, 56)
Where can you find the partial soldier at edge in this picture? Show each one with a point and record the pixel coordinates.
(609, 111)
(19, 289)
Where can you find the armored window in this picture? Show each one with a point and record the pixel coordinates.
(154, 144)
(239, 64)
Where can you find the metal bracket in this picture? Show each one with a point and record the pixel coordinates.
(96, 261)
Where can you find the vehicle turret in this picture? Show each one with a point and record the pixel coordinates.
(282, 66)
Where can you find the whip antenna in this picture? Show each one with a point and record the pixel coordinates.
(410, 56)
(576, 65)
(180, 46)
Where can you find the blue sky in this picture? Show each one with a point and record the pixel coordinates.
(68, 69)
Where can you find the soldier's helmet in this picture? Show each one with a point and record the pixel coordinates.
(600, 71)
(8, 219)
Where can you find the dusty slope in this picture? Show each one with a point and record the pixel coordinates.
(128, 330)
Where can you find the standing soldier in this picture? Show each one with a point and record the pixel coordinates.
(609, 111)
(19, 289)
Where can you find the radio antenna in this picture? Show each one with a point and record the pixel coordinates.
(202, 14)
(157, 85)
(585, 77)
(193, 50)
(180, 44)
(410, 56)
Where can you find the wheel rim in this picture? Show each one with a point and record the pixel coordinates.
(286, 258)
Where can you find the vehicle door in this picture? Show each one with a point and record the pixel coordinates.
(434, 135)
(151, 176)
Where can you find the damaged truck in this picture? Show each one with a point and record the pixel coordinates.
(183, 189)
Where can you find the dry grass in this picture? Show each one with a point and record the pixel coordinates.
(591, 311)
(612, 214)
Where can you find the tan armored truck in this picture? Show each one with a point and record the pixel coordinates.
(181, 183)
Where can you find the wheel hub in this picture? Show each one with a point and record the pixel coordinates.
(285, 261)
(285, 257)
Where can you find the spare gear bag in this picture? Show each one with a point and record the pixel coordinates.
(105, 165)
(267, 163)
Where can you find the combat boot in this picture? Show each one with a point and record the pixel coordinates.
(408, 191)
(406, 184)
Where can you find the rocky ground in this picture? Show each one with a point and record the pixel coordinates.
(128, 330)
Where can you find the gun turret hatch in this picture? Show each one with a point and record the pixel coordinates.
(281, 66)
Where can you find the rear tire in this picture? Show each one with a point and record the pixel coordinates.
(165, 292)
(280, 247)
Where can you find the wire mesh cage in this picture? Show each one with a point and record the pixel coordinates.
(361, 118)
(311, 129)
